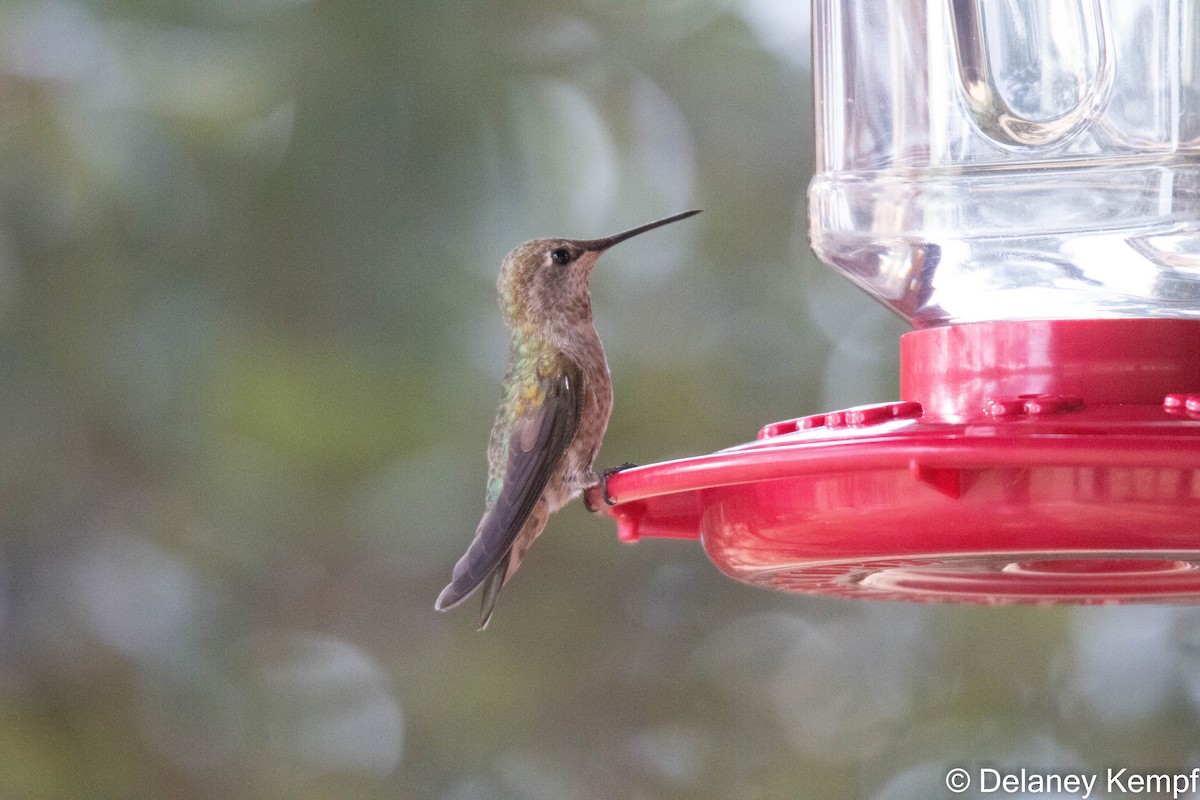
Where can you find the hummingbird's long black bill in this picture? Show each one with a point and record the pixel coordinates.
(609, 241)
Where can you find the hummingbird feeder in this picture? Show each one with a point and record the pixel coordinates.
(1020, 181)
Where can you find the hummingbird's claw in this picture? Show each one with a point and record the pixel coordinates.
(607, 473)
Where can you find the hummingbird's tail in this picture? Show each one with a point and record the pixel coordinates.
(483, 566)
(491, 591)
(487, 557)
(454, 594)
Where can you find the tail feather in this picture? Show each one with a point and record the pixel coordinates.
(482, 559)
(473, 571)
(491, 591)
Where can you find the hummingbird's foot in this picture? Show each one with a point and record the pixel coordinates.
(607, 473)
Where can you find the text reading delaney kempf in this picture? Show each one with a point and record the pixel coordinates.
(1110, 782)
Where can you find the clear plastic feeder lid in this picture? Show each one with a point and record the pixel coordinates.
(1010, 160)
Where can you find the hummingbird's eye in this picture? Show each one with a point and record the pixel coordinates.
(561, 255)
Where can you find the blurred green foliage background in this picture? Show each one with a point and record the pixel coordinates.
(249, 357)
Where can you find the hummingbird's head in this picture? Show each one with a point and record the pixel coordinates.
(547, 280)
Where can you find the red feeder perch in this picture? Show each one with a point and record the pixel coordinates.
(1054, 461)
(1047, 444)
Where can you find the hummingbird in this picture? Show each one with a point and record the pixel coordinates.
(554, 407)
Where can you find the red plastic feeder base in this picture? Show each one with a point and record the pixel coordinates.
(1030, 462)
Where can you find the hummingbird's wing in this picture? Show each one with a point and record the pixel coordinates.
(539, 437)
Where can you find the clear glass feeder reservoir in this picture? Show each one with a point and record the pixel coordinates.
(1020, 179)
(1014, 159)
